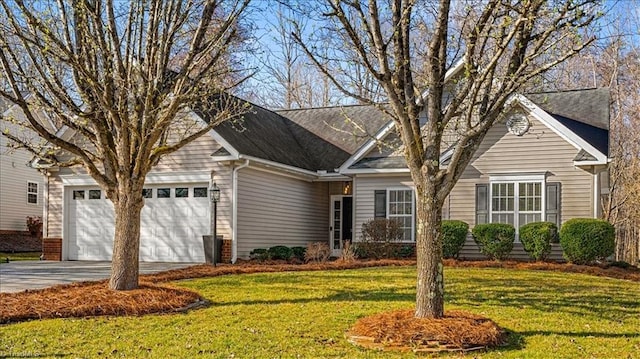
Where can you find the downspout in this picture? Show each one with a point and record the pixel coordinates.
(234, 211)
(596, 191)
(45, 206)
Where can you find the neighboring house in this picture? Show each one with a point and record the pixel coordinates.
(299, 176)
(21, 186)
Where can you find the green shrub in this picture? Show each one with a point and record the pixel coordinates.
(260, 254)
(495, 240)
(454, 233)
(280, 252)
(536, 238)
(298, 252)
(585, 240)
(405, 251)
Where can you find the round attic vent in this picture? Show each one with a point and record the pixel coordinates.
(518, 124)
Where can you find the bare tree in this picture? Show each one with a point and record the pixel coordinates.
(613, 62)
(503, 43)
(107, 71)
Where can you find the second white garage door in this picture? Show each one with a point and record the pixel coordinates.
(174, 219)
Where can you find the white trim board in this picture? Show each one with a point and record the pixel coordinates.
(152, 178)
(364, 149)
(560, 129)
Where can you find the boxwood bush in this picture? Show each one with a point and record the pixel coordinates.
(280, 252)
(298, 252)
(585, 240)
(495, 240)
(536, 238)
(260, 254)
(454, 233)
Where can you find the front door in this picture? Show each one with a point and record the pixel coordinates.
(341, 226)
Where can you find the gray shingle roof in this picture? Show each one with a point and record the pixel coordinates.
(392, 162)
(346, 127)
(267, 135)
(589, 106)
(585, 112)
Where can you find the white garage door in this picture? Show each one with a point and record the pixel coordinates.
(174, 218)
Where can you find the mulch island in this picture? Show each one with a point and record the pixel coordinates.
(401, 331)
(95, 299)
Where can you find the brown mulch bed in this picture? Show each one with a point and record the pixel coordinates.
(400, 331)
(90, 299)
(94, 298)
(18, 242)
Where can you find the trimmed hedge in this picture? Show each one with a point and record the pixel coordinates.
(585, 240)
(280, 252)
(454, 233)
(536, 238)
(298, 252)
(495, 240)
(260, 254)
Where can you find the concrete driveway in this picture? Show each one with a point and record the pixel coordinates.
(21, 275)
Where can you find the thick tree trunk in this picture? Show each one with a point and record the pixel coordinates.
(126, 244)
(430, 287)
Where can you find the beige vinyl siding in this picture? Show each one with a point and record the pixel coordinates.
(538, 151)
(14, 175)
(364, 189)
(55, 200)
(280, 210)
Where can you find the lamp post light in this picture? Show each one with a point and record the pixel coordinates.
(214, 193)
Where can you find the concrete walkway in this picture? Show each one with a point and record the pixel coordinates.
(22, 275)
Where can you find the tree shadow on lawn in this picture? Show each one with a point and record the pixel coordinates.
(336, 296)
(611, 303)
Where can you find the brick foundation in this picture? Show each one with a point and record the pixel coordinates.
(14, 233)
(52, 249)
(226, 251)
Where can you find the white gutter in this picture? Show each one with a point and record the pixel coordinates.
(234, 210)
(284, 167)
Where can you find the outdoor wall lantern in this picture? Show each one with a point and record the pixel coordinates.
(214, 193)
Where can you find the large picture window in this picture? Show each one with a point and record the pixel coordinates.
(518, 201)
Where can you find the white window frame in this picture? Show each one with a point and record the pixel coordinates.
(37, 192)
(413, 209)
(517, 180)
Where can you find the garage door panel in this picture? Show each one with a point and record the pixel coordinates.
(171, 229)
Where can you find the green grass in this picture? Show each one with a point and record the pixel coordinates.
(22, 256)
(305, 315)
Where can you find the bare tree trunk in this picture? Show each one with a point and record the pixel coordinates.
(126, 244)
(430, 287)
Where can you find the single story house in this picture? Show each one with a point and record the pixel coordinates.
(298, 176)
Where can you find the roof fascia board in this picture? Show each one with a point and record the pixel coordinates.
(367, 146)
(216, 136)
(560, 129)
(459, 65)
(375, 170)
(151, 178)
(281, 166)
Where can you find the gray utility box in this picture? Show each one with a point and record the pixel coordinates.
(212, 250)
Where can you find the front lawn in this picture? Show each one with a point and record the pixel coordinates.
(305, 314)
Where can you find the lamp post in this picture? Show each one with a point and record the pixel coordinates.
(214, 193)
